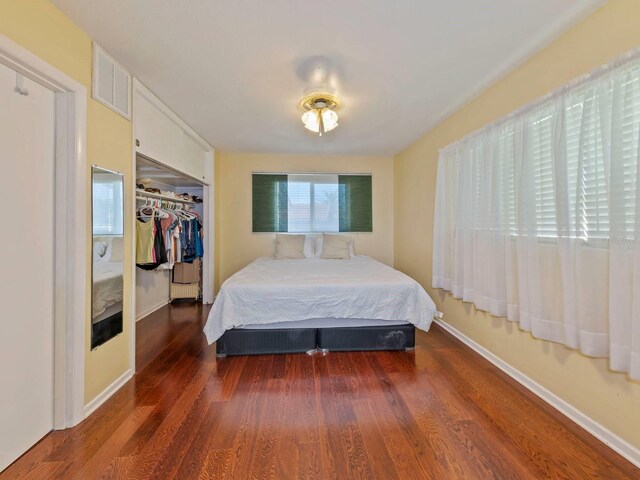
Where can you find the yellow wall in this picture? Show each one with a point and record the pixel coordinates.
(609, 398)
(238, 246)
(41, 28)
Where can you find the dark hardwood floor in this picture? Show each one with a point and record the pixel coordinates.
(439, 412)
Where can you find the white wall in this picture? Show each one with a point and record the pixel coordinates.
(238, 246)
(152, 291)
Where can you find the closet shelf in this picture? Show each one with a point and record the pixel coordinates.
(142, 194)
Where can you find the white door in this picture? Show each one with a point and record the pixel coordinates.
(27, 251)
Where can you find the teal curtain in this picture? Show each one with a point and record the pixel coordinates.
(355, 203)
(270, 203)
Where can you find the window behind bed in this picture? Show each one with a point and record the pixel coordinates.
(312, 202)
(107, 204)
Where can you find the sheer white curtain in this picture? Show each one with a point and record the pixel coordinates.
(538, 217)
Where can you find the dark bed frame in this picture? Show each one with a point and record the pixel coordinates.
(247, 341)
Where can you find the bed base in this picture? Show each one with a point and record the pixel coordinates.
(106, 329)
(247, 341)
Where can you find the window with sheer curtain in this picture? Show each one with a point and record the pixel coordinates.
(537, 216)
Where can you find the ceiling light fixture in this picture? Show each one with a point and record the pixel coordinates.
(319, 112)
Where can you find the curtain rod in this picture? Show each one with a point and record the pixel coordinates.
(142, 195)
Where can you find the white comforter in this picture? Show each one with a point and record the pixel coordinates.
(269, 291)
(107, 286)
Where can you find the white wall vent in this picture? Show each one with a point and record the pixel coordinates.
(111, 84)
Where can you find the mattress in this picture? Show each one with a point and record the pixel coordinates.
(108, 312)
(270, 291)
(107, 286)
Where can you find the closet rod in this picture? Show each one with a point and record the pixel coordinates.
(142, 195)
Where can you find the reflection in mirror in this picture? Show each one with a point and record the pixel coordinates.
(108, 230)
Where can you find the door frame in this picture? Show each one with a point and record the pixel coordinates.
(70, 238)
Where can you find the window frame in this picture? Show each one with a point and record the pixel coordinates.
(261, 225)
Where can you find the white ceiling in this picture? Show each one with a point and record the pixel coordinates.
(235, 70)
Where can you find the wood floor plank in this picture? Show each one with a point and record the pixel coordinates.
(426, 452)
(358, 463)
(310, 461)
(193, 460)
(463, 459)
(119, 468)
(99, 462)
(333, 456)
(252, 416)
(170, 462)
(437, 412)
(377, 452)
(472, 427)
(215, 465)
(288, 450)
(44, 470)
(263, 459)
(527, 427)
(405, 459)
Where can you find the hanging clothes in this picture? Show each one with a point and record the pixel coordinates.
(199, 246)
(144, 241)
(177, 244)
(192, 238)
(159, 251)
(189, 246)
(169, 224)
(168, 236)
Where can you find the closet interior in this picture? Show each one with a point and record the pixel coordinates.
(169, 236)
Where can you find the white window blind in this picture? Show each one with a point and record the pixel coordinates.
(107, 205)
(566, 172)
(541, 126)
(313, 203)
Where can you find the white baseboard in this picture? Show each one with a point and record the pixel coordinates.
(107, 392)
(150, 310)
(606, 436)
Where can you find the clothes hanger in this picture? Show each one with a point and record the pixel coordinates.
(158, 209)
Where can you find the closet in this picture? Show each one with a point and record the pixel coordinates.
(173, 227)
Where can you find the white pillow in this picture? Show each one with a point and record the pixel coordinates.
(289, 246)
(99, 249)
(117, 250)
(309, 245)
(335, 247)
(318, 248)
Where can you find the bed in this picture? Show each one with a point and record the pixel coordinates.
(286, 306)
(107, 289)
